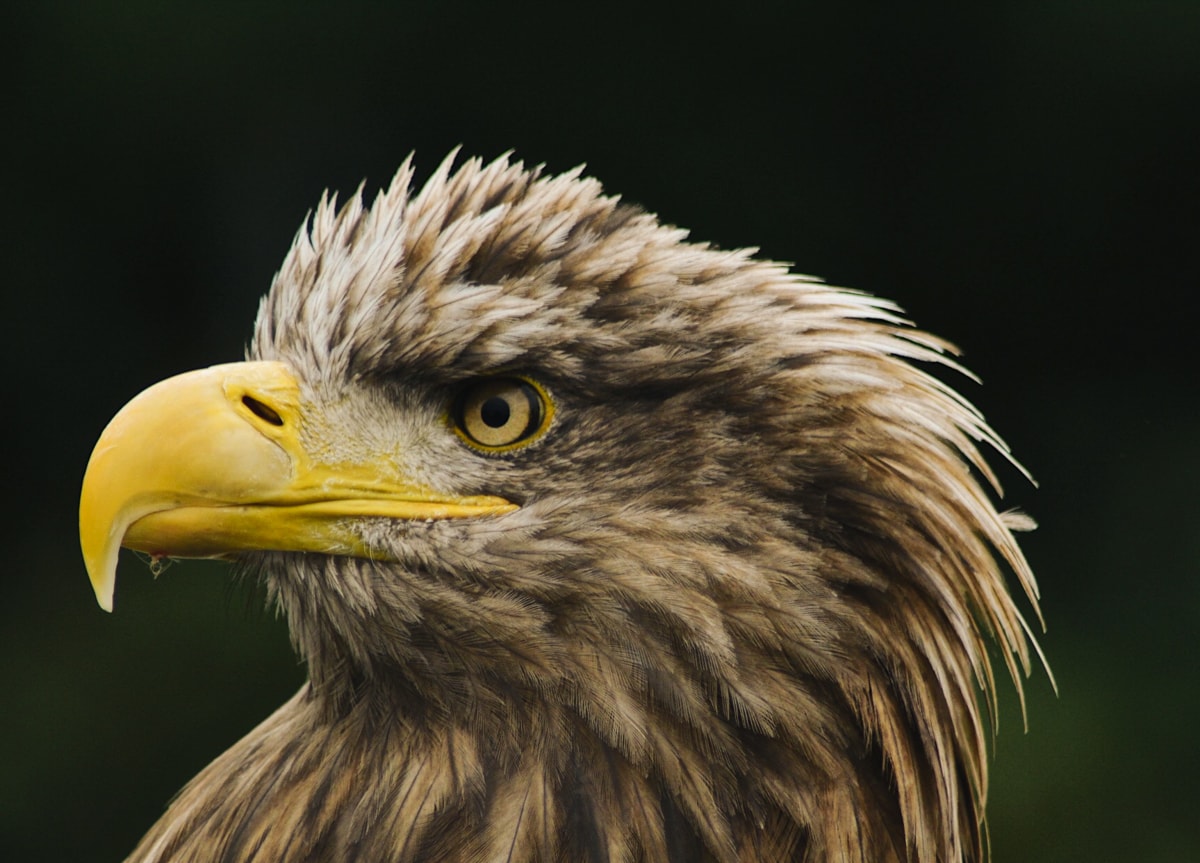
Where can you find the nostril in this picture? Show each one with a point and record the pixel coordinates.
(262, 411)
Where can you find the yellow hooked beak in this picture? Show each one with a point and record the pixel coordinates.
(210, 463)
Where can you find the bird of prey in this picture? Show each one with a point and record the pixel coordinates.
(600, 546)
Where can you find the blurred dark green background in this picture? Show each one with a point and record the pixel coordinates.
(1022, 177)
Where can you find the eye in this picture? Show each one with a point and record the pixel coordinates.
(501, 413)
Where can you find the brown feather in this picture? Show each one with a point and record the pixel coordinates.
(741, 615)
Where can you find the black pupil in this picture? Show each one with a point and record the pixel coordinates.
(494, 412)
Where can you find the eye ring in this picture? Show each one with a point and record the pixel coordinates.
(501, 414)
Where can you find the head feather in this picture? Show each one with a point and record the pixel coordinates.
(745, 608)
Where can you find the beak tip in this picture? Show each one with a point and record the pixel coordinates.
(104, 592)
(103, 576)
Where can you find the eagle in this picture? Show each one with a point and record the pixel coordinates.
(599, 544)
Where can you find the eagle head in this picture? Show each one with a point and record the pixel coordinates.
(599, 545)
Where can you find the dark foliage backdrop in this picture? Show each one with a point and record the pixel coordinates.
(1022, 177)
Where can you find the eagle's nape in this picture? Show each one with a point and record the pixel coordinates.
(598, 544)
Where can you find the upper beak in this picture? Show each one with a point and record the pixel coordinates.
(211, 462)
